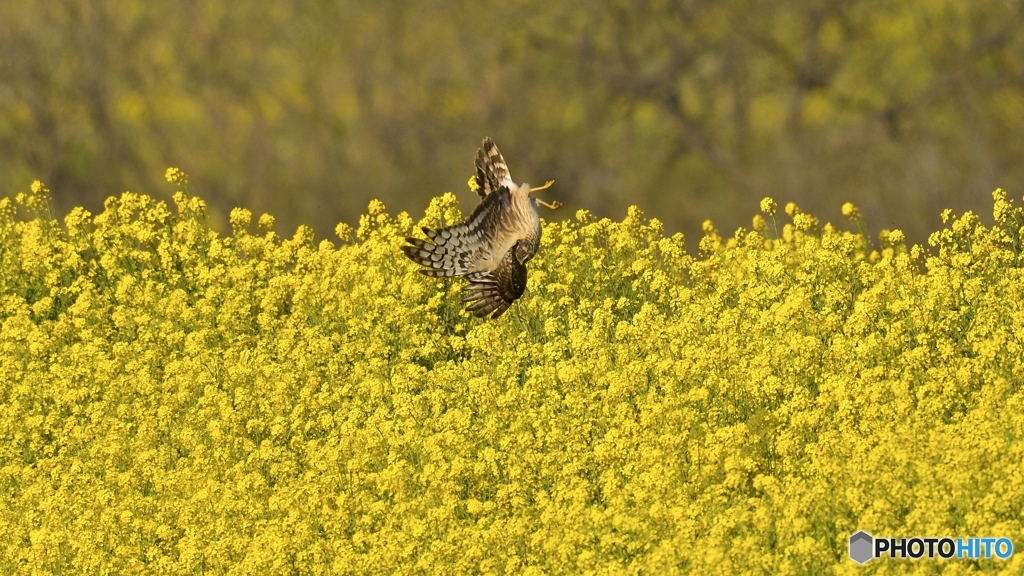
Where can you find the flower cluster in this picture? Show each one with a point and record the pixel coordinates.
(177, 401)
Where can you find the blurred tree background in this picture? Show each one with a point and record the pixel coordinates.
(691, 109)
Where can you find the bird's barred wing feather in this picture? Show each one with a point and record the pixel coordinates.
(491, 171)
(491, 293)
(451, 251)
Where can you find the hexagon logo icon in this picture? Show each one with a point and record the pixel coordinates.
(861, 547)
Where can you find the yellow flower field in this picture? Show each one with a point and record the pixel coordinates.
(179, 402)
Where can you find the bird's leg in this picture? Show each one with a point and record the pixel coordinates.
(544, 187)
(555, 204)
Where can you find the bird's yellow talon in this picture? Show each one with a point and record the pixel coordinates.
(544, 187)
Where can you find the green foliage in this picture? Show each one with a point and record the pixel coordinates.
(310, 109)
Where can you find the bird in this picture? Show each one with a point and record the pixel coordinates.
(492, 247)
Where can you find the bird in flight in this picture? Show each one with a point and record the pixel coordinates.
(492, 247)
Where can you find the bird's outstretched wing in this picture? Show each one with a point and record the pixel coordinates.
(491, 171)
(452, 250)
(491, 293)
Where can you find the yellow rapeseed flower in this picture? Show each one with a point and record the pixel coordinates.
(178, 401)
(176, 176)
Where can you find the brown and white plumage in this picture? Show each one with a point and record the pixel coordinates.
(492, 247)
(491, 171)
(491, 293)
